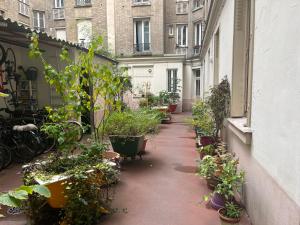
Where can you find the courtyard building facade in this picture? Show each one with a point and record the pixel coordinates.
(156, 40)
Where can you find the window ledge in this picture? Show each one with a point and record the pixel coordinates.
(83, 6)
(24, 15)
(196, 9)
(239, 128)
(141, 4)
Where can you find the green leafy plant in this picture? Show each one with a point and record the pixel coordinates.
(208, 150)
(17, 197)
(202, 118)
(232, 210)
(230, 179)
(132, 123)
(207, 167)
(219, 102)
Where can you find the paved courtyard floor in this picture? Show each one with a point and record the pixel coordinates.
(161, 189)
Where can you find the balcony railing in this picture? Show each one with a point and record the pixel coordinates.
(181, 50)
(23, 8)
(142, 48)
(39, 29)
(58, 14)
(83, 2)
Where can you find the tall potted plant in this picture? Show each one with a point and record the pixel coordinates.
(219, 102)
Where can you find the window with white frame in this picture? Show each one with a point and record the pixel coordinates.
(84, 32)
(58, 10)
(83, 2)
(142, 42)
(39, 21)
(197, 4)
(172, 80)
(141, 1)
(182, 7)
(61, 34)
(24, 7)
(182, 35)
(197, 82)
(171, 30)
(58, 4)
(197, 34)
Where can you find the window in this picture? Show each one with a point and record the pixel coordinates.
(58, 4)
(197, 37)
(172, 80)
(198, 82)
(24, 7)
(182, 35)
(142, 35)
(141, 1)
(84, 32)
(83, 2)
(198, 4)
(61, 34)
(171, 30)
(58, 13)
(2, 13)
(182, 7)
(39, 21)
(197, 34)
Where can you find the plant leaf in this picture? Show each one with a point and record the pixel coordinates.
(42, 190)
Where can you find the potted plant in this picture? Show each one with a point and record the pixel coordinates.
(174, 98)
(208, 169)
(207, 150)
(230, 214)
(219, 102)
(127, 130)
(230, 180)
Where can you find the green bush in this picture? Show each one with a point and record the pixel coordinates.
(132, 123)
(202, 118)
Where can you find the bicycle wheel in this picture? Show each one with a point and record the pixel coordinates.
(47, 142)
(33, 141)
(77, 128)
(7, 155)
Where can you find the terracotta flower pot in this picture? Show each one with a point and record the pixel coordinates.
(172, 108)
(225, 220)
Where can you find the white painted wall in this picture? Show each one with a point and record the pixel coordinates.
(276, 92)
(156, 74)
(225, 26)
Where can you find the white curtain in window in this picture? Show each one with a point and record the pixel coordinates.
(61, 34)
(84, 31)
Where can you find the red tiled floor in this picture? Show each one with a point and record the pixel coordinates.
(161, 189)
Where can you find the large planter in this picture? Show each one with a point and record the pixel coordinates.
(207, 140)
(217, 201)
(227, 221)
(57, 186)
(126, 146)
(143, 146)
(172, 108)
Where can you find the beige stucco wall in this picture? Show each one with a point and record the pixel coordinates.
(125, 12)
